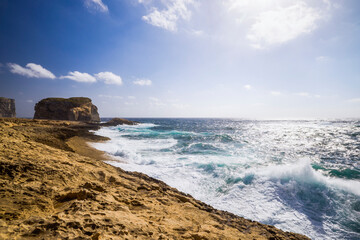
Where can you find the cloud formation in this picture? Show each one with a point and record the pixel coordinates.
(79, 77)
(258, 23)
(31, 70)
(303, 94)
(156, 102)
(143, 82)
(168, 17)
(97, 5)
(248, 87)
(109, 96)
(109, 78)
(354, 100)
(283, 24)
(275, 93)
(323, 59)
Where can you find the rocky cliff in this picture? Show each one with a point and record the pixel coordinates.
(72, 109)
(7, 107)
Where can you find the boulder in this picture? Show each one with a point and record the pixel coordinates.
(118, 121)
(7, 107)
(72, 109)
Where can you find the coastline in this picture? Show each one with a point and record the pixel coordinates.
(55, 185)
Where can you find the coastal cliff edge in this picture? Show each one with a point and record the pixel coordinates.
(54, 186)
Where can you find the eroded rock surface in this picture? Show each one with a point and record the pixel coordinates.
(50, 190)
(7, 107)
(72, 109)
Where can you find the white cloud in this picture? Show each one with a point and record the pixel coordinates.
(275, 93)
(32, 70)
(109, 96)
(97, 5)
(302, 94)
(168, 18)
(197, 33)
(129, 103)
(156, 102)
(79, 77)
(323, 59)
(260, 23)
(29, 101)
(354, 100)
(179, 105)
(143, 82)
(131, 97)
(282, 24)
(109, 78)
(154, 99)
(248, 87)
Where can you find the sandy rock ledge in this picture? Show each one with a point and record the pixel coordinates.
(51, 189)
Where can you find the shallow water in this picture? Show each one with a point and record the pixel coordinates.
(301, 176)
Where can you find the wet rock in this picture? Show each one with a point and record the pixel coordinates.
(118, 121)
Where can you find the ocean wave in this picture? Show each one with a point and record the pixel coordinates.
(302, 171)
(201, 148)
(250, 168)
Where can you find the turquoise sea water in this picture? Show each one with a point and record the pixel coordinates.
(301, 176)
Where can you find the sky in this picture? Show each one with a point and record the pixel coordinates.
(253, 59)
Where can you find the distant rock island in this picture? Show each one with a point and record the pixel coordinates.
(7, 107)
(72, 109)
(118, 121)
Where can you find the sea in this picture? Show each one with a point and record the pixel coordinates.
(300, 176)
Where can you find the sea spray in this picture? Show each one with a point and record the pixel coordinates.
(301, 176)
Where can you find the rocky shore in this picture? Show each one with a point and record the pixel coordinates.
(54, 186)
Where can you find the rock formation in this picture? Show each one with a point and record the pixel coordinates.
(7, 107)
(72, 109)
(118, 121)
(54, 186)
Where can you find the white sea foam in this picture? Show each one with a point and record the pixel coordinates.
(302, 171)
(245, 182)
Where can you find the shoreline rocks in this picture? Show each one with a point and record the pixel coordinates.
(51, 189)
(71, 109)
(7, 107)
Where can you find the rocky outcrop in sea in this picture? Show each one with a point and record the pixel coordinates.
(118, 121)
(72, 109)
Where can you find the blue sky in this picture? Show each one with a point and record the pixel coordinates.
(259, 59)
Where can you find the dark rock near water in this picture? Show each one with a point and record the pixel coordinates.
(118, 121)
(7, 107)
(72, 109)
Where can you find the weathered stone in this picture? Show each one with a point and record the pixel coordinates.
(7, 107)
(119, 121)
(72, 109)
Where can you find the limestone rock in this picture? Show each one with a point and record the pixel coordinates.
(72, 109)
(119, 121)
(7, 107)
